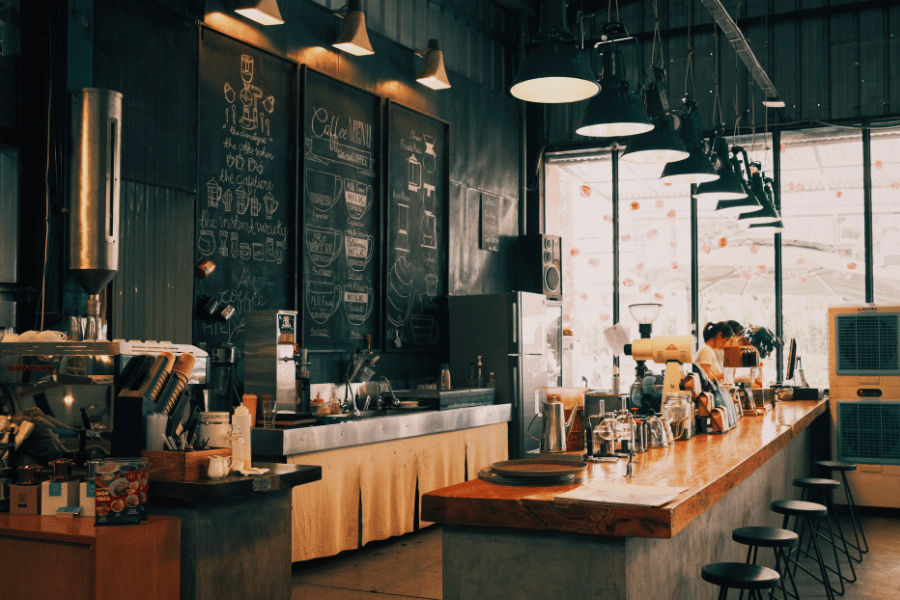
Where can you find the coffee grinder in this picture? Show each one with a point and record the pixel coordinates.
(670, 350)
(269, 366)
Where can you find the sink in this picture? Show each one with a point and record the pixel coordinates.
(368, 414)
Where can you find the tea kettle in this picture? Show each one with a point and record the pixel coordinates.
(555, 428)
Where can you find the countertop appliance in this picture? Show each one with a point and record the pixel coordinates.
(519, 338)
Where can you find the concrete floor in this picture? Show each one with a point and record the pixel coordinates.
(410, 567)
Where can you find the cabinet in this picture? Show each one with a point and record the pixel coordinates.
(72, 559)
(372, 491)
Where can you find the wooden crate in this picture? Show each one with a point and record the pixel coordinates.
(181, 466)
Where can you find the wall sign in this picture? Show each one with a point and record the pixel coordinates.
(341, 207)
(490, 223)
(245, 196)
(417, 152)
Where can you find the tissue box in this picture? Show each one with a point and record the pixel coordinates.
(57, 494)
(24, 499)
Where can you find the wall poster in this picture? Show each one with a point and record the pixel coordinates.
(341, 207)
(415, 282)
(247, 164)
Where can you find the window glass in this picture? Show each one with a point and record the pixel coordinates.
(578, 194)
(823, 252)
(654, 253)
(736, 263)
(886, 214)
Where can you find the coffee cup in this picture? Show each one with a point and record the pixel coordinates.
(358, 305)
(358, 197)
(323, 188)
(424, 329)
(358, 251)
(322, 300)
(323, 244)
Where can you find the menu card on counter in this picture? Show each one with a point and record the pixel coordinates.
(417, 151)
(245, 197)
(341, 204)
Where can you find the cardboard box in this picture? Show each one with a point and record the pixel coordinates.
(167, 465)
(57, 494)
(24, 499)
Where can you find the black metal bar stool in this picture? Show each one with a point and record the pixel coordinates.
(809, 512)
(740, 576)
(778, 540)
(816, 489)
(842, 468)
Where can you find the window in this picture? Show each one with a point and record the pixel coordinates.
(580, 191)
(886, 215)
(823, 245)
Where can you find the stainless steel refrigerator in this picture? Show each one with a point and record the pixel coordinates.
(519, 338)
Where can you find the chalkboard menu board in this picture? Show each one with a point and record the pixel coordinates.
(247, 170)
(417, 152)
(490, 223)
(340, 287)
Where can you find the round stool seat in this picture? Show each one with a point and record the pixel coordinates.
(799, 508)
(836, 465)
(765, 537)
(740, 576)
(817, 483)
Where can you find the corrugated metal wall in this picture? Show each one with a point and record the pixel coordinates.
(830, 60)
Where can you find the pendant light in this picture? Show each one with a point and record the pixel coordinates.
(696, 168)
(749, 201)
(433, 74)
(616, 111)
(553, 71)
(728, 186)
(766, 212)
(661, 144)
(768, 215)
(264, 12)
(353, 39)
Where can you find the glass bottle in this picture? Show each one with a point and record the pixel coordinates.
(479, 381)
(445, 376)
(492, 382)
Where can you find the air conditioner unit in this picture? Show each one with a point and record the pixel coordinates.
(864, 392)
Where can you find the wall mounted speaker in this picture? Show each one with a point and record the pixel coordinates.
(541, 265)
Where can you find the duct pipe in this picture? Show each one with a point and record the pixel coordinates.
(94, 187)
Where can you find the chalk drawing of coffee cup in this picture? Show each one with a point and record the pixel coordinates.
(323, 188)
(227, 197)
(359, 251)
(279, 251)
(424, 329)
(429, 225)
(358, 197)
(207, 242)
(322, 300)
(255, 205)
(271, 204)
(358, 306)
(243, 200)
(213, 193)
(323, 244)
(415, 174)
(245, 252)
(431, 284)
(259, 252)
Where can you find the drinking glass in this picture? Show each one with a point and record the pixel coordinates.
(268, 413)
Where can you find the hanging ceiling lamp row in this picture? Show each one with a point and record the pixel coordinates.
(354, 38)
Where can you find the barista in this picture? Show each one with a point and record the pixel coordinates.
(715, 336)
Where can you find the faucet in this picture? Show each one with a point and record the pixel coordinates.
(629, 468)
(358, 369)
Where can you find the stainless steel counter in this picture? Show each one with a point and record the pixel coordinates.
(300, 440)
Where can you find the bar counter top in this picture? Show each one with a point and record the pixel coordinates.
(232, 486)
(709, 465)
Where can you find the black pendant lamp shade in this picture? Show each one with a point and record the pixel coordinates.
(554, 71)
(696, 168)
(659, 145)
(728, 186)
(662, 144)
(616, 111)
(767, 214)
(750, 202)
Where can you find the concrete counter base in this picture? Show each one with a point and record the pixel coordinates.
(521, 564)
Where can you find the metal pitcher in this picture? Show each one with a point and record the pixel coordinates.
(555, 428)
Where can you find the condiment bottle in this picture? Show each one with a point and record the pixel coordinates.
(445, 376)
(242, 420)
(238, 444)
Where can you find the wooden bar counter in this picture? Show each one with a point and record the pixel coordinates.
(504, 541)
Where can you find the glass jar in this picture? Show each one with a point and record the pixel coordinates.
(678, 411)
